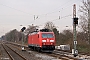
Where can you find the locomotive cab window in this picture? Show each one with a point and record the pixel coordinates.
(47, 35)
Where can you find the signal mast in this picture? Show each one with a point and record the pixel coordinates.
(75, 23)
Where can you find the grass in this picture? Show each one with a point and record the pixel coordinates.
(84, 48)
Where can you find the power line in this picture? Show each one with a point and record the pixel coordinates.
(58, 19)
(15, 9)
(55, 9)
(38, 17)
(65, 7)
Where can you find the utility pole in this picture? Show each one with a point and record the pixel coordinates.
(75, 22)
(88, 21)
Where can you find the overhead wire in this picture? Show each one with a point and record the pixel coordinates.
(29, 13)
(58, 7)
(16, 9)
(34, 14)
(41, 14)
(65, 7)
(57, 19)
(55, 9)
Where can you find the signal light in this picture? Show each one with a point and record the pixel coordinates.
(23, 29)
(75, 20)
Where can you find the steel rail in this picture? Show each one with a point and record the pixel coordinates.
(11, 57)
(17, 53)
(8, 53)
(62, 55)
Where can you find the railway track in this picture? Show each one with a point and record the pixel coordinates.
(26, 54)
(3, 54)
(13, 54)
(63, 55)
(54, 54)
(81, 55)
(57, 54)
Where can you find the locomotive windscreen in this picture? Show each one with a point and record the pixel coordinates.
(48, 35)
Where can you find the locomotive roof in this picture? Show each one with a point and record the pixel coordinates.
(40, 31)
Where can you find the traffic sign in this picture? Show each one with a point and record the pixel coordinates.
(75, 42)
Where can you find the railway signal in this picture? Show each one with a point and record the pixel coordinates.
(23, 29)
(75, 22)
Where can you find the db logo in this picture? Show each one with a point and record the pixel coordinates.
(47, 40)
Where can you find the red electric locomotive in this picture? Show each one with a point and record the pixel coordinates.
(42, 40)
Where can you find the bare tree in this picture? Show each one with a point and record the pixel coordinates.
(85, 18)
(49, 25)
(30, 29)
(13, 35)
(84, 15)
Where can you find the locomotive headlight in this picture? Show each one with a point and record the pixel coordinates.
(43, 40)
(51, 40)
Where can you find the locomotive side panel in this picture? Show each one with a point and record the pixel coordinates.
(35, 40)
(29, 39)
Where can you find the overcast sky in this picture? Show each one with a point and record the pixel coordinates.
(14, 13)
